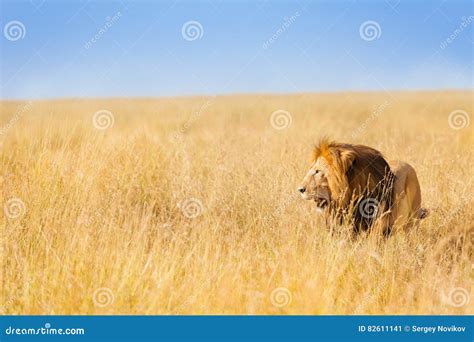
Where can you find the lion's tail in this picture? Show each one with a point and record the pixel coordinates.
(423, 213)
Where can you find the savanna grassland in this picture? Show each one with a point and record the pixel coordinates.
(189, 206)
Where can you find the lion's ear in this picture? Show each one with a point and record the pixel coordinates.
(347, 157)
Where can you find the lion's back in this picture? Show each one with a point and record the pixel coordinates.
(406, 192)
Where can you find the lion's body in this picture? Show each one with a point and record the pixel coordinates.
(344, 178)
(406, 210)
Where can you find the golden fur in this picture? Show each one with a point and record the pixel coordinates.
(358, 178)
(407, 208)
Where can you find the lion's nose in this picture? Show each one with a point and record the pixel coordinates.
(302, 189)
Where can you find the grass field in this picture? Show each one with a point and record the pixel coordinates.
(189, 206)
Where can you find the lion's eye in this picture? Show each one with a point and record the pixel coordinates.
(315, 172)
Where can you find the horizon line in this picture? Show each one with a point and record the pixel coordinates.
(237, 94)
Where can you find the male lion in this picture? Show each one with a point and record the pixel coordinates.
(356, 182)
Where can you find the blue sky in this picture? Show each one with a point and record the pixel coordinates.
(139, 47)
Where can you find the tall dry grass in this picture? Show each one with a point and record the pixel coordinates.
(107, 225)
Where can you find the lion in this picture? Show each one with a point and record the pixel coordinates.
(356, 182)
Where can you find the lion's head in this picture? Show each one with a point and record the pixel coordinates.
(344, 174)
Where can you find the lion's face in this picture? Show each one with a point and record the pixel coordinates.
(315, 184)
